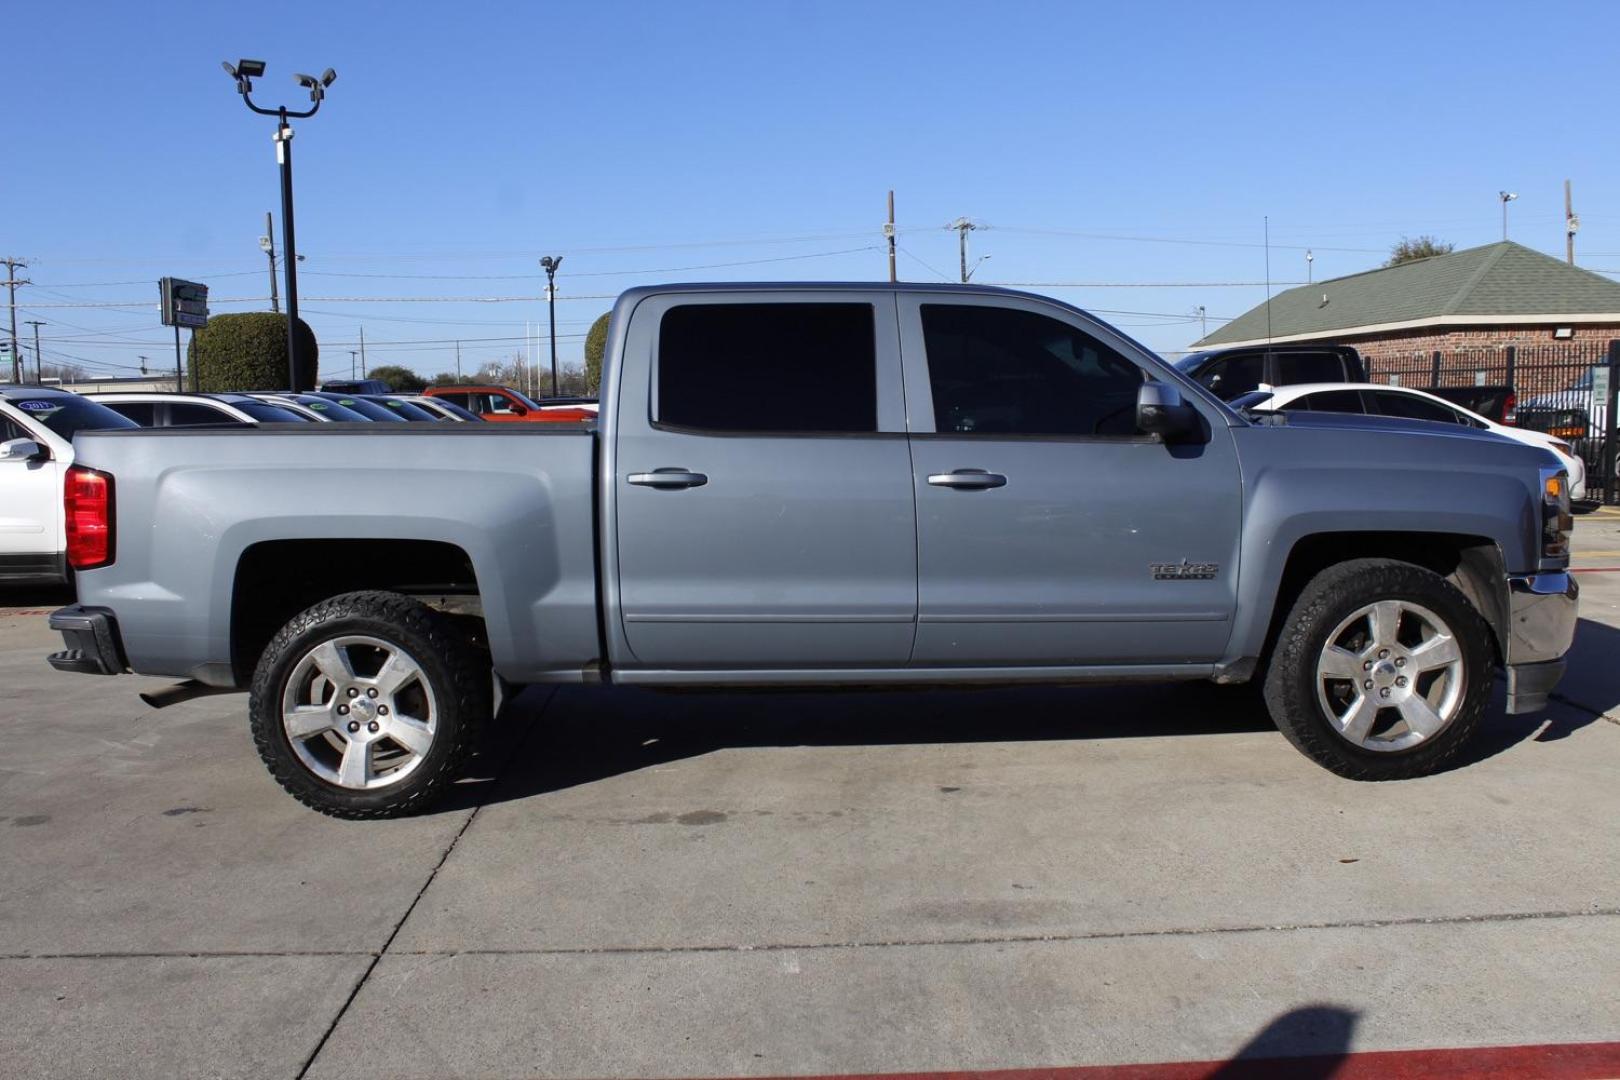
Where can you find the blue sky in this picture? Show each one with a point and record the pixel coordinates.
(1122, 144)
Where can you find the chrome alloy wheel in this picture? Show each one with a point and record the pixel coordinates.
(358, 712)
(1391, 676)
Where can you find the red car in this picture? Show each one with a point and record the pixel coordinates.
(502, 403)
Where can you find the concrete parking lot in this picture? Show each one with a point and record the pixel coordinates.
(637, 884)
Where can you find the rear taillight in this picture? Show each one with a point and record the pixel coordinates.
(87, 502)
(1510, 410)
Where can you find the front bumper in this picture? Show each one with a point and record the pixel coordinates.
(91, 637)
(1542, 611)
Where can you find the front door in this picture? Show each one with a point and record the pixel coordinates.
(763, 484)
(30, 509)
(1049, 531)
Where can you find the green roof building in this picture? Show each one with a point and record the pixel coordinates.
(1478, 301)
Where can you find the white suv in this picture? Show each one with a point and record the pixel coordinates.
(36, 447)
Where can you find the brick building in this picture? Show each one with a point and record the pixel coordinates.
(1459, 318)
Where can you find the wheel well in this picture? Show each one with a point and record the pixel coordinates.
(1472, 563)
(277, 579)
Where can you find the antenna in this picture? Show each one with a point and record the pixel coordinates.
(1267, 220)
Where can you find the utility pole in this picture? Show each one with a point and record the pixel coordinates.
(12, 281)
(1571, 223)
(458, 362)
(550, 264)
(362, 352)
(888, 231)
(267, 242)
(39, 362)
(352, 354)
(962, 226)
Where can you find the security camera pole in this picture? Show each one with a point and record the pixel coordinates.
(549, 264)
(244, 72)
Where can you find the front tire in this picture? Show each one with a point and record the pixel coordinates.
(367, 704)
(1382, 671)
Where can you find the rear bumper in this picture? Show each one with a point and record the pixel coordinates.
(91, 637)
(1542, 612)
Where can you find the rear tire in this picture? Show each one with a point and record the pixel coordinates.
(1382, 671)
(367, 704)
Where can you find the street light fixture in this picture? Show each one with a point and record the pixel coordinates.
(1506, 197)
(244, 72)
(550, 264)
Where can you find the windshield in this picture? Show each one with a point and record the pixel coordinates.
(331, 410)
(368, 410)
(266, 413)
(65, 414)
(405, 409)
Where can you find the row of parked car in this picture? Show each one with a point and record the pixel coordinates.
(37, 425)
(1333, 378)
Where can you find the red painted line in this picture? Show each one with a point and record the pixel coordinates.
(1552, 1061)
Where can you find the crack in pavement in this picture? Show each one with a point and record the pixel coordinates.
(895, 943)
(376, 957)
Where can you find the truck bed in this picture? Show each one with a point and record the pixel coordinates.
(192, 503)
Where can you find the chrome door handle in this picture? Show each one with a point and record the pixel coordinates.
(668, 478)
(969, 479)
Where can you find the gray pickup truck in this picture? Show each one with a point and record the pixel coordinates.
(833, 485)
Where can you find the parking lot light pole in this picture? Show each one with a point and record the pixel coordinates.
(549, 264)
(244, 72)
(39, 357)
(1506, 197)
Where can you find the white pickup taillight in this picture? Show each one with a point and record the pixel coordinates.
(87, 503)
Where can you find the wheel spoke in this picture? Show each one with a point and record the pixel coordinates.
(306, 720)
(1386, 622)
(410, 734)
(1420, 717)
(333, 661)
(355, 768)
(1357, 722)
(1438, 652)
(1340, 663)
(394, 674)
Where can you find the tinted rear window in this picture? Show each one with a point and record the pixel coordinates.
(809, 368)
(68, 413)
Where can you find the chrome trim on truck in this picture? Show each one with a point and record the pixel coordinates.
(1542, 611)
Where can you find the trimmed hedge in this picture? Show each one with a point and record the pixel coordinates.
(248, 351)
(595, 347)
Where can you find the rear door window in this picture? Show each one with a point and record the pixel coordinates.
(787, 368)
(1343, 401)
(1412, 407)
(186, 414)
(143, 413)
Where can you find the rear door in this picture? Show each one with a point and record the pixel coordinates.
(763, 484)
(1048, 530)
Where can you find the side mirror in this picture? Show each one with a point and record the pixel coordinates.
(23, 450)
(519, 410)
(1160, 411)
